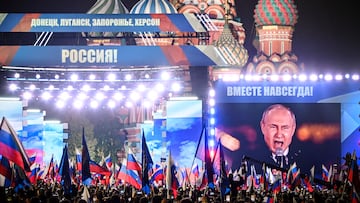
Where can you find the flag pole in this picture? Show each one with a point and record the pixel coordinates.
(197, 148)
(168, 175)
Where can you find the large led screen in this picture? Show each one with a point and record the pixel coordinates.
(316, 139)
(326, 111)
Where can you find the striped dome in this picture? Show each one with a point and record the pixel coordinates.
(275, 12)
(108, 7)
(153, 6)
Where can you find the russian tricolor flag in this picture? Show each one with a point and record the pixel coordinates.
(158, 174)
(270, 200)
(276, 187)
(32, 158)
(172, 183)
(108, 161)
(307, 184)
(78, 159)
(129, 176)
(195, 170)
(325, 173)
(11, 147)
(132, 163)
(35, 168)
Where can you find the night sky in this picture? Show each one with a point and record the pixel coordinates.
(325, 37)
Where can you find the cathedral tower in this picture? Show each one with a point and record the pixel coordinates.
(274, 22)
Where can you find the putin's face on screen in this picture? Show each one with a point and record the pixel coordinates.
(278, 127)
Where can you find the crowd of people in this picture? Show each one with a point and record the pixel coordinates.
(278, 124)
(53, 192)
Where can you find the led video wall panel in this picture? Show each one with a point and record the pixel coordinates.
(183, 130)
(327, 119)
(177, 130)
(12, 110)
(32, 135)
(53, 142)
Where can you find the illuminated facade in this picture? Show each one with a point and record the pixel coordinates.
(274, 23)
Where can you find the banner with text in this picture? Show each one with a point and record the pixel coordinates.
(289, 92)
(60, 22)
(109, 56)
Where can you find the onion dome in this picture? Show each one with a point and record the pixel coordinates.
(230, 49)
(107, 7)
(153, 6)
(275, 12)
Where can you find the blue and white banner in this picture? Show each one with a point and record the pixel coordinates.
(108, 56)
(61, 22)
(289, 92)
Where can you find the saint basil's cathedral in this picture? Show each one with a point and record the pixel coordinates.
(274, 24)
